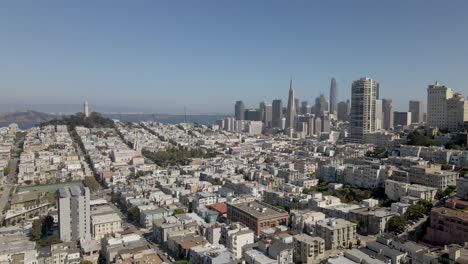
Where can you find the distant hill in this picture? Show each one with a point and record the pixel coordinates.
(26, 116)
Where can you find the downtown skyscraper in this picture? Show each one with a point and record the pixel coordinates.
(333, 97)
(291, 112)
(363, 96)
(239, 110)
(277, 113)
(387, 112)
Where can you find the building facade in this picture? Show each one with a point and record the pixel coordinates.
(363, 96)
(74, 213)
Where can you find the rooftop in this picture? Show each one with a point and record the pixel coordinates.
(260, 209)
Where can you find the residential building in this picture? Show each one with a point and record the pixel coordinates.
(257, 215)
(104, 224)
(308, 249)
(337, 233)
(74, 213)
(363, 96)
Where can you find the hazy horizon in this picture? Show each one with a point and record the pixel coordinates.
(162, 56)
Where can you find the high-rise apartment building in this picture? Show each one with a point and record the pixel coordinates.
(437, 96)
(446, 109)
(277, 113)
(74, 213)
(239, 110)
(387, 111)
(457, 112)
(363, 96)
(333, 97)
(291, 112)
(417, 112)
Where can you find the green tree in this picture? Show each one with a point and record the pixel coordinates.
(449, 190)
(426, 204)
(47, 224)
(415, 211)
(181, 262)
(418, 138)
(293, 206)
(396, 224)
(91, 183)
(86, 262)
(134, 213)
(6, 170)
(178, 211)
(36, 230)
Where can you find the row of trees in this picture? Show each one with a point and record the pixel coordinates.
(397, 223)
(91, 183)
(176, 156)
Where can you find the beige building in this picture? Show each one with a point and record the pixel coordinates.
(446, 109)
(105, 224)
(308, 249)
(432, 176)
(395, 190)
(337, 233)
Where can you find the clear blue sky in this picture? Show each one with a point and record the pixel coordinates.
(207, 54)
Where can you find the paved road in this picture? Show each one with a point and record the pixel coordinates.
(8, 185)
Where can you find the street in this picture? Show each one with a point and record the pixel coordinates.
(8, 186)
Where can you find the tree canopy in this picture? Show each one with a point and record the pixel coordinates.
(396, 224)
(91, 183)
(418, 137)
(95, 120)
(176, 156)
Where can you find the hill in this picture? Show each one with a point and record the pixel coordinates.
(26, 116)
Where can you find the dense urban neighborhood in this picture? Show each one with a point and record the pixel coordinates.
(321, 184)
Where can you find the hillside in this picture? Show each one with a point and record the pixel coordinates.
(25, 116)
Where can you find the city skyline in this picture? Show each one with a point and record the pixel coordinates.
(110, 59)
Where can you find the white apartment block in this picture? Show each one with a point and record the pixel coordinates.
(74, 213)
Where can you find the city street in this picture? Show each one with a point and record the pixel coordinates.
(8, 186)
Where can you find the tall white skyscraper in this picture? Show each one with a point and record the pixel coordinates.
(363, 96)
(74, 213)
(86, 109)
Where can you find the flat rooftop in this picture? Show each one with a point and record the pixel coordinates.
(260, 209)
